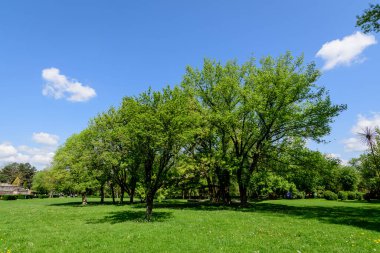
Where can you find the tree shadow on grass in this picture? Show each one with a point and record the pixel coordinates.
(90, 203)
(365, 217)
(135, 216)
(361, 217)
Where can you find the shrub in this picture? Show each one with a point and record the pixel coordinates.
(342, 195)
(367, 196)
(359, 195)
(24, 196)
(351, 195)
(9, 197)
(329, 195)
(299, 195)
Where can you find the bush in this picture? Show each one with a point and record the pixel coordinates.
(329, 195)
(299, 195)
(342, 195)
(359, 195)
(367, 196)
(9, 197)
(42, 196)
(24, 196)
(351, 195)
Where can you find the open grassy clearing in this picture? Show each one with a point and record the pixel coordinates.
(62, 225)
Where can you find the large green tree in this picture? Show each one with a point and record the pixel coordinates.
(160, 126)
(256, 107)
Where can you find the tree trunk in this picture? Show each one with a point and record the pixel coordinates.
(121, 195)
(131, 195)
(132, 190)
(84, 199)
(102, 193)
(243, 194)
(113, 193)
(243, 182)
(149, 205)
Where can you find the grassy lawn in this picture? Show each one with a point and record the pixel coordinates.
(62, 225)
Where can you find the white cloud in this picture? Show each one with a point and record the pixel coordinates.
(40, 157)
(59, 86)
(337, 156)
(355, 143)
(345, 51)
(45, 138)
(45, 158)
(6, 150)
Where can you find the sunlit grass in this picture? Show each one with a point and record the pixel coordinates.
(63, 225)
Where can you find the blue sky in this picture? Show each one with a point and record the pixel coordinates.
(62, 62)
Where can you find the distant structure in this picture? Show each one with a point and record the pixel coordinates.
(8, 189)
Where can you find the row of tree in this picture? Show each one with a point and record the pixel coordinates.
(222, 125)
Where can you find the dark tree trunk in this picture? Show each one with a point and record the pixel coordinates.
(132, 190)
(84, 199)
(121, 195)
(149, 205)
(224, 184)
(131, 195)
(243, 195)
(242, 188)
(102, 193)
(113, 193)
(211, 190)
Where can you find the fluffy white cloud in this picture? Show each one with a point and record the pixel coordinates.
(45, 138)
(355, 143)
(345, 51)
(59, 86)
(40, 156)
(7, 150)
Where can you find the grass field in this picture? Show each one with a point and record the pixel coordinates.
(63, 225)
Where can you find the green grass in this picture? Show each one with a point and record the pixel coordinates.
(63, 225)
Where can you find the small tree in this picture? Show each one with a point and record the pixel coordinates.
(74, 160)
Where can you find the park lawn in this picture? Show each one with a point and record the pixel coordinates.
(63, 225)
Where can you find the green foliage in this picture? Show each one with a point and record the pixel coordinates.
(299, 195)
(342, 195)
(348, 178)
(44, 181)
(254, 108)
(270, 186)
(369, 20)
(329, 195)
(23, 171)
(351, 195)
(9, 197)
(359, 195)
